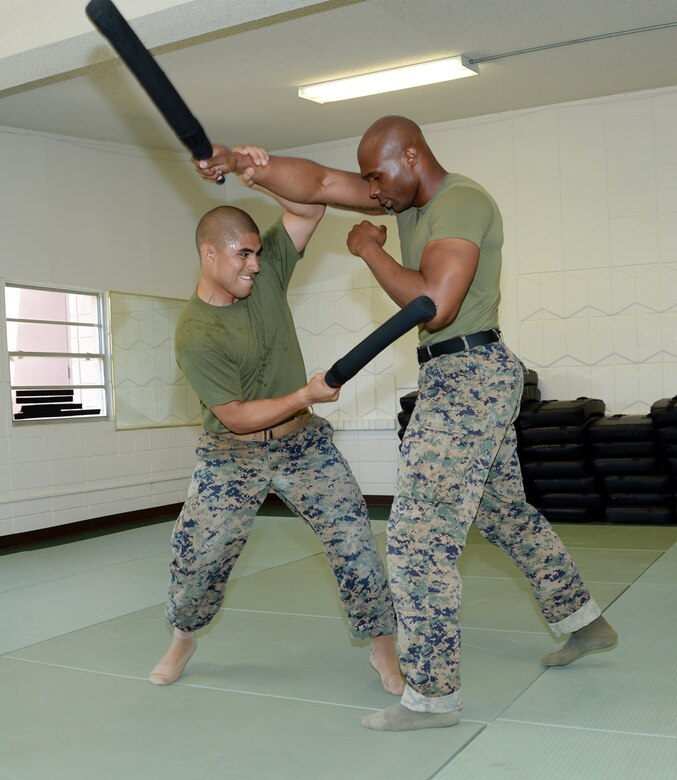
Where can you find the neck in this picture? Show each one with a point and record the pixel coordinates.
(212, 295)
(432, 176)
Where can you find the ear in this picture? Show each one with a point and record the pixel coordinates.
(410, 156)
(207, 253)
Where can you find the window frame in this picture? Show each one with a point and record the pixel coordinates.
(102, 326)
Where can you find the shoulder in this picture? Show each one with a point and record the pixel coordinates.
(199, 325)
(276, 237)
(279, 255)
(278, 246)
(460, 189)
(463, 198)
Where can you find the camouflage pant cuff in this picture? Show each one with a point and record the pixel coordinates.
(361, 633)
(581, 618)
(413, 700)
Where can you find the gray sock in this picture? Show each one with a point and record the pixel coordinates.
(400, 718)
(596, 636)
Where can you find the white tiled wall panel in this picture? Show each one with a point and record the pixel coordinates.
(149, 389)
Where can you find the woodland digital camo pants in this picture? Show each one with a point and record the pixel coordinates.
(458, 466)
(230, 483)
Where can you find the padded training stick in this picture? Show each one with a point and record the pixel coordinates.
(417, 311)
(111, 23)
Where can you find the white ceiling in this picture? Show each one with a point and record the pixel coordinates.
(238, 63)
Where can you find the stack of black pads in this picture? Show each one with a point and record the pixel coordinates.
(664, 416)
(553, 450)
(407, 403)
(582, 466)
(531, 390)
(626, 457)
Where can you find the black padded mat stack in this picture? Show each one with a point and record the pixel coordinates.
(580, 465)
(626, 457)
(531, 390)
(553, 450)
(664, 416)
(407, 403)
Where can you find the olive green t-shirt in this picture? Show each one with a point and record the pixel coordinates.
(461, 208)
(247, 350)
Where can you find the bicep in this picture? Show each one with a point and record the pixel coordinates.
(448, 266)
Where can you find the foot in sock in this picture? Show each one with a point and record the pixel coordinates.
(172, 664)
(400, 718)
(596, 636)
(383, 659)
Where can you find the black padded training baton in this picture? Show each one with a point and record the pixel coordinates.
(105, 16)
(419, 310)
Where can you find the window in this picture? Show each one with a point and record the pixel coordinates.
(56, 352)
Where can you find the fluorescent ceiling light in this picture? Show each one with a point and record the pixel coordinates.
(390, 80)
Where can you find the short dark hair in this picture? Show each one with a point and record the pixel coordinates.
(222, 223)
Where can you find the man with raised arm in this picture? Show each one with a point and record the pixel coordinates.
(237, 345)
(458, 461)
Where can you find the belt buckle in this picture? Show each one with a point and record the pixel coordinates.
(423, 353)
(267, 434)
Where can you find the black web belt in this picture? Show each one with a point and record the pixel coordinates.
(426, 352)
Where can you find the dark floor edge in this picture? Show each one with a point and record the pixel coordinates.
(94, 526)
(97, 526)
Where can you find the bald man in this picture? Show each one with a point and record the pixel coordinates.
(237, 345)
(458, 461)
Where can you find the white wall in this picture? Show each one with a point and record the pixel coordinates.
(589, 198)
(96, 217)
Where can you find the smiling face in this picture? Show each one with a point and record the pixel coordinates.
(230, 248)
(232, 267)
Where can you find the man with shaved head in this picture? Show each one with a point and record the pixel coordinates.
(237, 345)
(458, 461)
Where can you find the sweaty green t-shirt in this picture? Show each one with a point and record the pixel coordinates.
(461, 208)
(247, 350)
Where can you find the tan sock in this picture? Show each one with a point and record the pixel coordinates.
(172, 664)
(400, 718)
(383, 659)
(598, 635)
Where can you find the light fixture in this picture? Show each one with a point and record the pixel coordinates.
(390, 80)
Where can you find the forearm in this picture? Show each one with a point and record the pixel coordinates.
(250, 416)
(401, 284)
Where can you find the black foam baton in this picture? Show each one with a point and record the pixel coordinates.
(105, 16)
(419, 310)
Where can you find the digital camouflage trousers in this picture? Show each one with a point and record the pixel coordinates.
(459, 466)
(231, 481)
